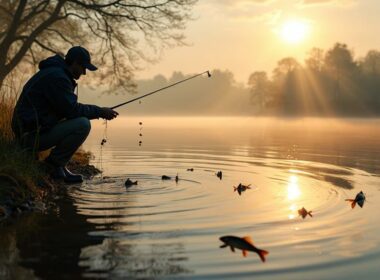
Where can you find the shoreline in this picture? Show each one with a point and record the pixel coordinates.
(19, 199)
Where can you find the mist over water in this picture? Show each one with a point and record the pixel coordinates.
(164, 229)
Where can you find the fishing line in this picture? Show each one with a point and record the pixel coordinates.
(104, 139)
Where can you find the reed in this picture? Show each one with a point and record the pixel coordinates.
(19, 172)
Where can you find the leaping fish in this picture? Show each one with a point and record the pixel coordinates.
(245, 244)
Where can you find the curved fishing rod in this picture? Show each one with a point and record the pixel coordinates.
(150, 93)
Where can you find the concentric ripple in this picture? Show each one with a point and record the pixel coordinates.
(163, 228)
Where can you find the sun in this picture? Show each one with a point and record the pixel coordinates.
(294, 31)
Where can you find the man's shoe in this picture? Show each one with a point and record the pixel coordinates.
(72, 177)
(68, 177)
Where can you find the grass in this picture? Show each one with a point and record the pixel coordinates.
(19, 172)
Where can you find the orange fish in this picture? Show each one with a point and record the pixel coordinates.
(359, 199)
(245, 244)
(241, 188)
(303, 212)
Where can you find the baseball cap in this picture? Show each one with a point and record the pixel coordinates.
(82, 56)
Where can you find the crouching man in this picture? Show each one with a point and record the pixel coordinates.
(48, 115)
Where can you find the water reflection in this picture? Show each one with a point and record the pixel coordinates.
(115, 259)
(49, 244)
(159, 229)
(293, 188)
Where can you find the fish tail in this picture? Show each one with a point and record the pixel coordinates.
(262, 254)
(310, 213)
(235, 188)
(353, 202)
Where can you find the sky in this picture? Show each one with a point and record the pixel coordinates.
(244, 36)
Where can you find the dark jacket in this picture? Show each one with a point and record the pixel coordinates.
(48, 97)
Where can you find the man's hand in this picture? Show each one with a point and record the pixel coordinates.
(108, 113)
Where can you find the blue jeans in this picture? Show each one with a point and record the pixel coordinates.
(65, 138)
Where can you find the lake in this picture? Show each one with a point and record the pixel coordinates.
(167, 229)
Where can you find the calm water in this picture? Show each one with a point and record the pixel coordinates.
(164, 229)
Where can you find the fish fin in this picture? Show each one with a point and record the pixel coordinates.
(248, 239)
(248, 186)
(262, 254)
(232, 249)
(223, 246)
(235, 188)
(245, 253)
(309, 213)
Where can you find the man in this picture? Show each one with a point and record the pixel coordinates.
(48, 115)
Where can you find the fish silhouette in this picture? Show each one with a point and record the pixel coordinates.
(129, 183)
(241, 188)
(303, 212)
(359, 199)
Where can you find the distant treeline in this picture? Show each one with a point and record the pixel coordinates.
(330, 83)
(327, 84)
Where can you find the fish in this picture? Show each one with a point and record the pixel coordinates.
(129, 183)
(140, 123)
(243, 243)
(359, 199)
(241, 188)
(219, 174)
(176, 178)
(103, 142)
(303, 212)
(164, 177)
(190, 169)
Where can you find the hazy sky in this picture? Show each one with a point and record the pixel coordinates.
(250, 35)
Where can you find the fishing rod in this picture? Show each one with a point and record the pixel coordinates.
(150, 93)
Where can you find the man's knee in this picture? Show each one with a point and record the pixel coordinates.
(83, 124)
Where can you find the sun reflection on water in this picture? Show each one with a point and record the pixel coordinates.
(293, 193)
(293, 188)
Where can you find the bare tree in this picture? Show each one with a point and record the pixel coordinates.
(115, 31)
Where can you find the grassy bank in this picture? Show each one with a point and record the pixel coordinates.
(24, 181)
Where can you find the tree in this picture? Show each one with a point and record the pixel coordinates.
(340, 64)
(315, 60)
(286, 66)
(114, 31)
(260, 84)
(371, 63)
